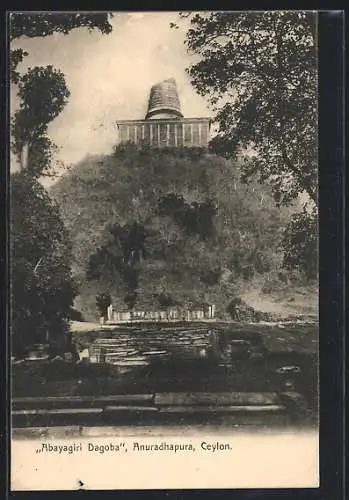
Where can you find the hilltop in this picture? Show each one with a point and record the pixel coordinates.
(205, 236)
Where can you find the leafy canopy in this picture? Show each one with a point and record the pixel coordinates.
(42, 289)
(300, 244)
(121, 255)
(42, 91)
(259, 72)
(43, 94)
(41, 283)
(44, 24)
(103, 301)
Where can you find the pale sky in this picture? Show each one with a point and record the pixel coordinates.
(109, 77)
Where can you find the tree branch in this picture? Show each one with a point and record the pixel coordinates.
(282, 136)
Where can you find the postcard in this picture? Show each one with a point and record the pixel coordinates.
(164, 250)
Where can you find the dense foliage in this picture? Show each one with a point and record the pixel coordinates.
(43, 95)
(42, 285)
(301, 244)
(259, 71)
(103, 301)
(42, 289)
(46, 23)
(42, 91)
(194, 218)
(169, 226)
(122, 255)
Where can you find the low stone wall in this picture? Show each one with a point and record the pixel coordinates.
(171, 314)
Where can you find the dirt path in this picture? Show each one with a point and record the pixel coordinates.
(289, 302)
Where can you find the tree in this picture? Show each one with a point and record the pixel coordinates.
(42, 286)
(43, 94)
(259, 72)
(196, 218)
(165, 300)
(300, 244)
(103, 301)
(42, 91)
(42, 289)
(121, 255)
(47, 23)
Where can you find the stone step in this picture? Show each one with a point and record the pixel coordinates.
(152, 353)
(245, 408)
(127, 363)
(223, 409)
(64, 401)
(134, 348)
(115, 349)
(114, 409)
(135, 342)
(127, 345)
(123, 353)
(58, 411)
(223, 398)
(151, 409)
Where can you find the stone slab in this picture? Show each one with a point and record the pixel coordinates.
(223, 409)
(83, 400)
(131, 409)
(58, 411)
(223, 398)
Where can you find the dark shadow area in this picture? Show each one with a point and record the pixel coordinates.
(216, 359)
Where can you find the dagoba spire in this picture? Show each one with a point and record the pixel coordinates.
(164, 125)
(164, 101)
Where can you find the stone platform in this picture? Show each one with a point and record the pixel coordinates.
(246, 408)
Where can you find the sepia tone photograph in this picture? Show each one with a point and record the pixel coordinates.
(164, 250)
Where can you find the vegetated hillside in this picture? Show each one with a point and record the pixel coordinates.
(170, 226)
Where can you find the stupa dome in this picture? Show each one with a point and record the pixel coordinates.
(164, 101)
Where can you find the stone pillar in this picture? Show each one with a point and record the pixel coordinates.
(212, 310)
(110, 312)
(175, 134)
